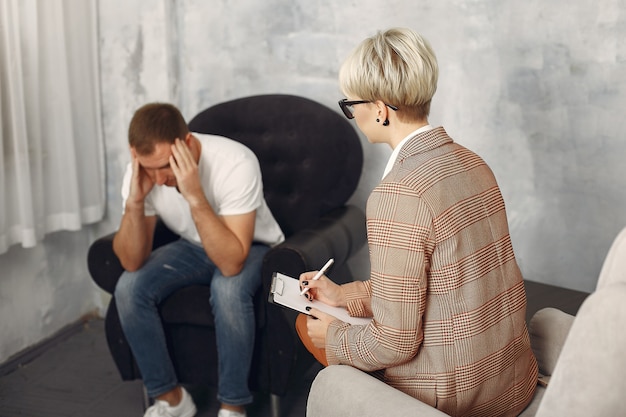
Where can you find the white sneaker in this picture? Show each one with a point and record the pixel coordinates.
(186, 408)
(229, 413)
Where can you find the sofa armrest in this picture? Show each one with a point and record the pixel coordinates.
(589, 377)
(344, 391)
(548, 330)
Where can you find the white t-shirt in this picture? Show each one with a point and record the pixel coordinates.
(232, 182)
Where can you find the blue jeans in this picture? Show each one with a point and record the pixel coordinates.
(169, 268)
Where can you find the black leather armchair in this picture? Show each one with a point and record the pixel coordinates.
(311, 159)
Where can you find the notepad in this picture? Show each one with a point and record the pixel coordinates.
(285, 291)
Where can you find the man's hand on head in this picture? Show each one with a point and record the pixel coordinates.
(141, 184)
(185, 168)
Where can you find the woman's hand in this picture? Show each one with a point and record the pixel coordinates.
(317, 326)
(322, 289)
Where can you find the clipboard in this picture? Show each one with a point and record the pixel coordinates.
(285, 291)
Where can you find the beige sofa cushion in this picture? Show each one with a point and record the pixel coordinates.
(589, 377)
(548, 330)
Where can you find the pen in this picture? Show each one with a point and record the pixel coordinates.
(319, 274)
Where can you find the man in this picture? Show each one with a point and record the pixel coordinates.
(208, 189)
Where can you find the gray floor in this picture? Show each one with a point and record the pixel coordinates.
(74, 375)
(77, 377)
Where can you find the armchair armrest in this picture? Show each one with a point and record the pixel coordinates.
(344, 391)
(338, 235)
(104, 267)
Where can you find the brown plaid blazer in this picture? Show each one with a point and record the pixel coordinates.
(445, 292)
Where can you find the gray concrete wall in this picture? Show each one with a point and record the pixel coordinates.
(537, 88)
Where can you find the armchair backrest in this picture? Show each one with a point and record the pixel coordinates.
(311, 157)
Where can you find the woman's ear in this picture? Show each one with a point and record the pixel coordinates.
(382, 109)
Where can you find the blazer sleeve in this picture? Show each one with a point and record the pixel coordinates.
(401, 240)
(358, 298)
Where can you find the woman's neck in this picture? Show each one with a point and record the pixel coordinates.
(402, 130)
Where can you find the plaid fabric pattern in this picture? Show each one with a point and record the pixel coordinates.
(445, 290)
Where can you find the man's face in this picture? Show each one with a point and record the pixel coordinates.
(157, 164)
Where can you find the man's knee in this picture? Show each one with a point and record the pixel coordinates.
(124, 293)
(239, 289)
(228, 289)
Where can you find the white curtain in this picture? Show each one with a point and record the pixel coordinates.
(51, 146)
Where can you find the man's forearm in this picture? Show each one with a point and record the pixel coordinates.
(221, 245)
(133, 241)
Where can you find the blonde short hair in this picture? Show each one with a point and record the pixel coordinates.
(397, 66)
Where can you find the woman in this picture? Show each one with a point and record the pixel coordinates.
(445, 292)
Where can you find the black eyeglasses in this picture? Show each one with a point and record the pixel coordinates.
(346, 105)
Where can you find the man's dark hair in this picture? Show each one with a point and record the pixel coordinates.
(155, 123)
